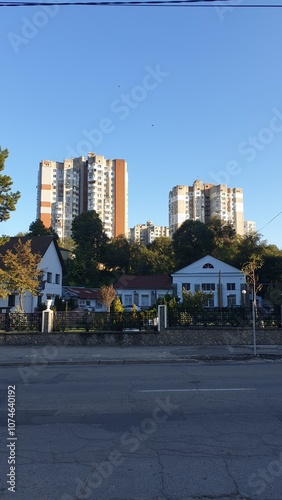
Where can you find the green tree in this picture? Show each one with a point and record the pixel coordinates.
(89, 235)
(248, 246)
(82, 271)
(67, 244)
(221, 230)
(8, 200)
(194, 303)
(20, 271)
(117, 254)
(274, 294)
(142, 260)
(225, 239)
(271, 269)
(164, 261)
(90, 240)
(37, 228)
(192, 241)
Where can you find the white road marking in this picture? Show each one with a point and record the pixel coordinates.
(199, 390)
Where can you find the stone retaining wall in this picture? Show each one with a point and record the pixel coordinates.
(208, 337)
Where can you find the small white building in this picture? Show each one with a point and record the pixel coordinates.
(85, 298)
(51, 265)
(212, 276)
(142, 290)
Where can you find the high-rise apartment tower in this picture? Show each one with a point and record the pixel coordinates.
(202, 201)
(66, 189)
(147, 233)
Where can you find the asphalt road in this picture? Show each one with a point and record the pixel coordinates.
(143, 432)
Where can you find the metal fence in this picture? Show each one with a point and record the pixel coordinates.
(103, 321)
(23, 322)
(241, 316)
(145, 321)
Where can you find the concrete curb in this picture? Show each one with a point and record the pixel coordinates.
(188, 359)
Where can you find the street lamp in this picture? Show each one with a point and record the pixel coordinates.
(254, 321)
(244, 295)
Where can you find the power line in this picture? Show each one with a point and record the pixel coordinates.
(144, 3)
(269, 222)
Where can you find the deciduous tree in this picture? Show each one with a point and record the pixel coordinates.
(192, 241)
(250, 270)
(108, 295)
(20, 273)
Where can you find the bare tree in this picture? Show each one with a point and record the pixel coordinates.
(250, 269)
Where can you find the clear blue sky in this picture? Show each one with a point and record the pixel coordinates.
(213, 111)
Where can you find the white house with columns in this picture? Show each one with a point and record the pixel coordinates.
(224, 282)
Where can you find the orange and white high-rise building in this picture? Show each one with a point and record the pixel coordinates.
(66, 189)
(203, 201)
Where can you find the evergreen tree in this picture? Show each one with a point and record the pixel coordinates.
(37, 228)
(90, 240)
(8, 200)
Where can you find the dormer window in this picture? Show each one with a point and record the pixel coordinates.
(208, 265)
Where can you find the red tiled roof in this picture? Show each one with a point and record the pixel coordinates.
(84, 293)
(144, 282)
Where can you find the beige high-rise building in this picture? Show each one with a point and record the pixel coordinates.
(202, 201)
(66, 189)
(249, 227)
(147, 233)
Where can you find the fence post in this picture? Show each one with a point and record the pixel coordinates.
(162, 315)
(7, 320)
(47, 318)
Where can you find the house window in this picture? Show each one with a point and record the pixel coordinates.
(208, 266)
(231, 286)
(207, 287)
(49, 277)
(186, 286)
(231, 300)
(197, 287)
(210, 302)
(145, 300)
(39, 300)
(58, 279)
(99, 305)
(127, 300)
(11, 300)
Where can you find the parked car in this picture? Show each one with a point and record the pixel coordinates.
(89, 309)
(129, 308)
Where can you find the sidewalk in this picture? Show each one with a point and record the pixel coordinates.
(60, 355)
